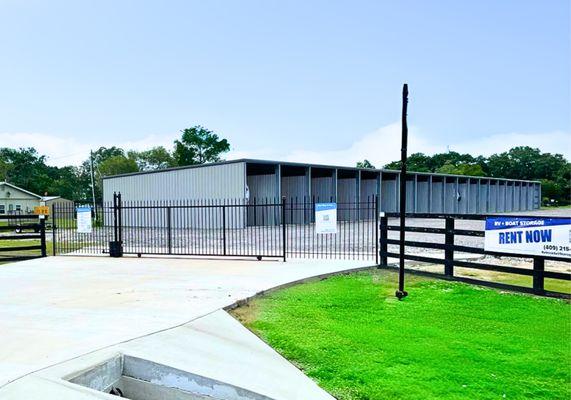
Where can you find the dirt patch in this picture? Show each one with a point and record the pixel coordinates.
(246, 313)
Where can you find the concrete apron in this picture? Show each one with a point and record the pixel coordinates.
(61, 317)
(213, 357)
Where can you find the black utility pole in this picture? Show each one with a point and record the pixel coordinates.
(400, 293)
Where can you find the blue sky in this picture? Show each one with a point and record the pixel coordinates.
(301, 80)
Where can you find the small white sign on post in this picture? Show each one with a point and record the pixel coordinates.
(84, 219)
(325, 218)
(528, 235)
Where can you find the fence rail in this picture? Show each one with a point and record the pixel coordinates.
(450, 233)
(22, 227)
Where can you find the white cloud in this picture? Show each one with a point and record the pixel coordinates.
(62, 150)
(549, 142)
(383, 146)
(379, 147)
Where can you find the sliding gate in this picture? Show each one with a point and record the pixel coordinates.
(267, 228)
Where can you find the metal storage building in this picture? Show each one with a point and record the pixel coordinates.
(268, 181)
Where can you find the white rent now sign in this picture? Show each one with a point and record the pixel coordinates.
(528, 235)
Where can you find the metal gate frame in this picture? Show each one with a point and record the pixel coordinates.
(224, 228)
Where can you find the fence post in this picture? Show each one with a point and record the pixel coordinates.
(284, 241)
(538, 275)
(43, 235)
(53, 229)
(449, 250)
(224, 228)
(116, 246)
(120, 219)
(376, 208)
(383, 240)
(169, 230)
(115, 231)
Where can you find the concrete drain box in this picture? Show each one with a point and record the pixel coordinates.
(138, 379)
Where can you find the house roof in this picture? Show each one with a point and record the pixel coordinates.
(20, 189)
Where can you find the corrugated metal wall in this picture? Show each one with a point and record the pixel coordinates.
(517, 197)
(450, 196)
(493, 197)
(322, 189)
(410, 195)
(216, 182)
(473, 195)
(263, 190)
(484, 197)
(437, 205)
(368, 189)
(225, 181)
(422, 197)
(462, 206)
(295, 189)
(389, 191)
(346, 193)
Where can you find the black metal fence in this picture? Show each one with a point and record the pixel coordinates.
(421, 225)
(356, 237)
(28, 229)
(238, 228)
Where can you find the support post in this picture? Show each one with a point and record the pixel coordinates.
(116, 245)
(120, 219)
(169, 230)
(284, 241)
(224, 229)
(538, 275)
(43, 235)
(376, 229)
(401, 293)
(384, 222)
(53, 230)
(449, 251)
(115, 229)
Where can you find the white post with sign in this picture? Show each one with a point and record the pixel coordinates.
(84, 219)
(325, 218)
(528, 235)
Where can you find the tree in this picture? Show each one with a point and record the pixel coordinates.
(416, 162)
(199, 145)
(25, 168)
(117, 165)
(365, 164)
(522, 162)
(67, 184)
(461, 169)
(153, 159)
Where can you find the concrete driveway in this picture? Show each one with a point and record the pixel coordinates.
(57, 309)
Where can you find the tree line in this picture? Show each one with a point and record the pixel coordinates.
(521, 162)
(26, 168)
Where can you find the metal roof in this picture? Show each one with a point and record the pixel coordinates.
(324, 166)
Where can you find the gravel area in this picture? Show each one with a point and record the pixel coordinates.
(353, 240)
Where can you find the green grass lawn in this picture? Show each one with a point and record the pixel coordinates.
(447, 340)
